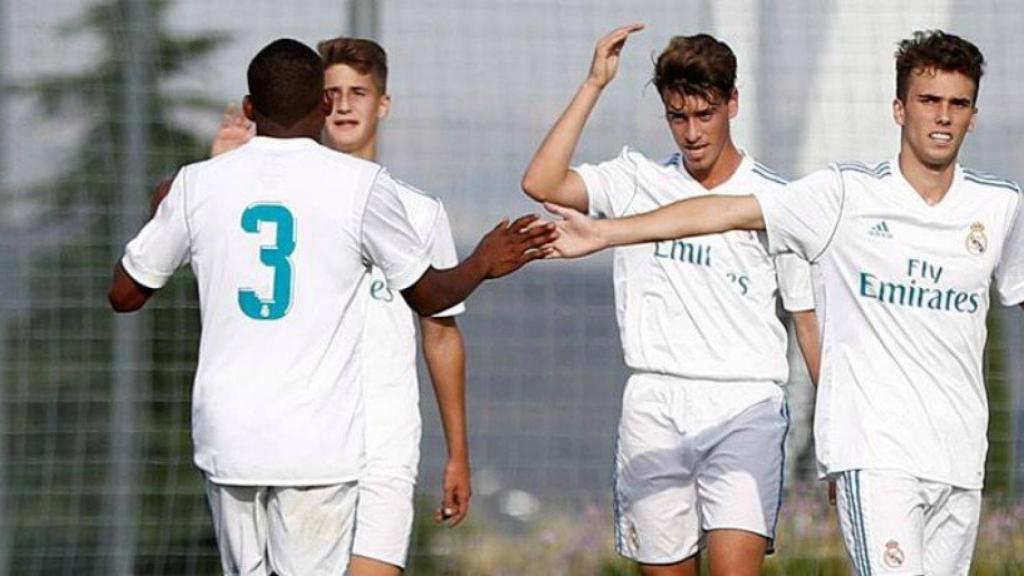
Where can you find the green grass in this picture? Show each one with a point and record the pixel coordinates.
(579, 542)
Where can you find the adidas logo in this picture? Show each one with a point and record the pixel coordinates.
(880, 230)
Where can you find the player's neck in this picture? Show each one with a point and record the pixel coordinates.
(272, 130)
(367, 151)
(930, 182)
(725, 166)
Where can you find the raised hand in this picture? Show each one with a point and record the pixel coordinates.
(578, 234)
(508, 247)
(606, 55)
(235, 130)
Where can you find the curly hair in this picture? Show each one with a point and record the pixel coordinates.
(937, 50)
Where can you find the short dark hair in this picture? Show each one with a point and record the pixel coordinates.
(286, 81)
(699, 65)
(363, 55)
(937, 50)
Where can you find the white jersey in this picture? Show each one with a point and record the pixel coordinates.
(277, 233)
(906, 291)
(389, 340)
(703, 307)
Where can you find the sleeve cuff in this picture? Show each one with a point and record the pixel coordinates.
(1013, 297)
(798, 304)
(456, 310)
(765, 202)
(586, 174)
(140, 274)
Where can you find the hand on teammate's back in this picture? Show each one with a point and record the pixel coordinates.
(606, 54)
(508, 247)
(235, 130)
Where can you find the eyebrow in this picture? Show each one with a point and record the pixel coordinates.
(952, 99)
(708, 109)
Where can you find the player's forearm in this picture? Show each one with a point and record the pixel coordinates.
(805, 323)
(684, 218)
(125, 294)
(439, 290)
(549, 169)
(445, 354)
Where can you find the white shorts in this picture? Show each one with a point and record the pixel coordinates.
(695, 456)
(283, 530)
(384, 513)
(895, 523)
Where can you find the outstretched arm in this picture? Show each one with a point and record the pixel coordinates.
(548, 177)
(445, 354)
(505, 249)
(579, 235)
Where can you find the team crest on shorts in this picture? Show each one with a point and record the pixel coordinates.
(977, 242)
(893, 556)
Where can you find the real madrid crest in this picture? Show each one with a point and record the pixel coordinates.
(893, 557)
(977, 242)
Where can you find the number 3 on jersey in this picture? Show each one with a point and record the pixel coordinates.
(274, 256)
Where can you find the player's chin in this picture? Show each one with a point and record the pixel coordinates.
(343, 139)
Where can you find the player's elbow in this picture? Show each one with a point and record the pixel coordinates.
(421, 299)
(537, 188)
(125, 294)
(123, 303)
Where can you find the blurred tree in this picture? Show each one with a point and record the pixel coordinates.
(57, 384)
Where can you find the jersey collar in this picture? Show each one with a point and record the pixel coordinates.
(737, 177)
(268, 143)
(909, 196)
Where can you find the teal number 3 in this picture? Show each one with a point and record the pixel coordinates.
(274, 256)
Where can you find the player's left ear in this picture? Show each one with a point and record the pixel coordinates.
(248, 109)
(384, 106)
(898, 111)
(734, 103)
(974, 118)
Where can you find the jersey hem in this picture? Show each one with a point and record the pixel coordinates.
(831, 473)
(345, 479)
(709, 379)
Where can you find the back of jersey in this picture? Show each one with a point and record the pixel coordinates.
(274, 238)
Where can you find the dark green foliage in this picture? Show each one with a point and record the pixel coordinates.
(57, 382)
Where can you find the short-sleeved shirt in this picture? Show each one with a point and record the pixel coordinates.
(905, 295)
(277, 233)
(701, 307)
(389, 342)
